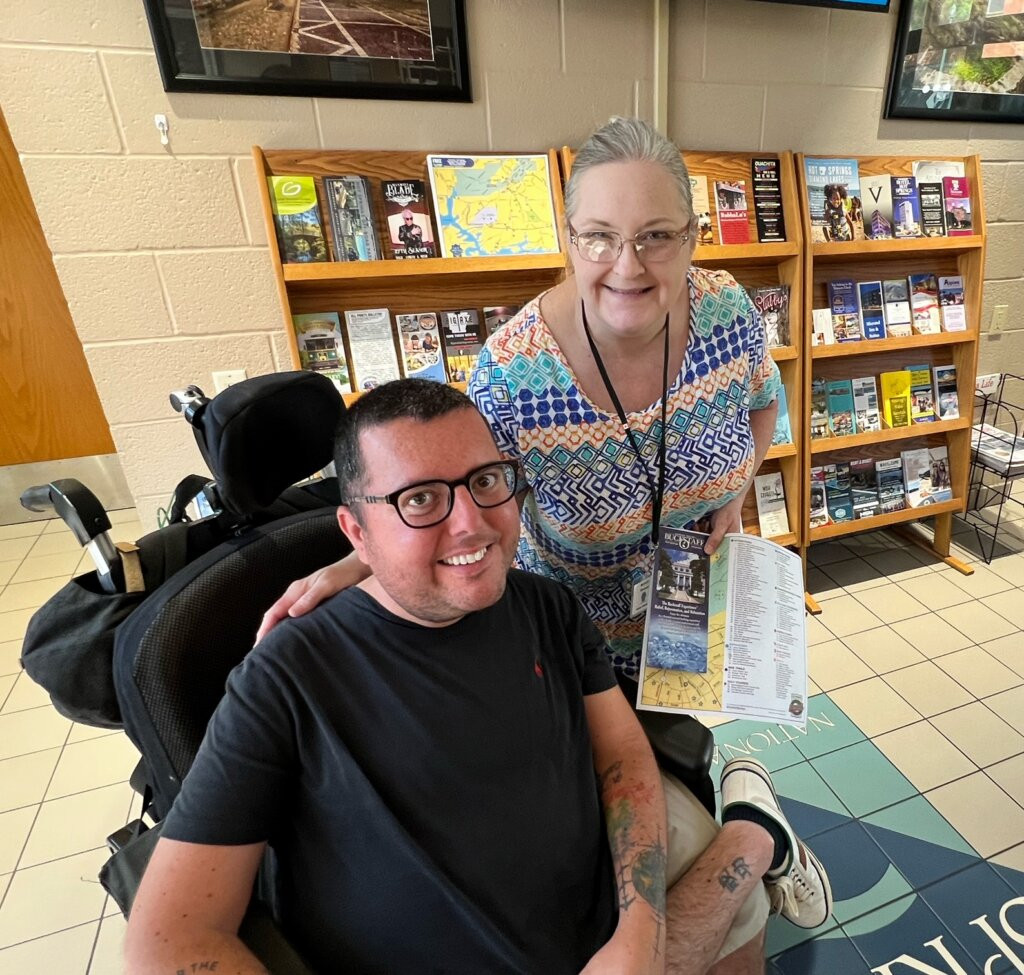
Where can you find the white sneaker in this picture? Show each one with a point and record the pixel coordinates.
(799, 888)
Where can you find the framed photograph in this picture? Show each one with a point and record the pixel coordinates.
(958, 59)
(401, 49)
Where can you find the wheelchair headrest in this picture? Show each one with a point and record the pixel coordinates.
(262, 435)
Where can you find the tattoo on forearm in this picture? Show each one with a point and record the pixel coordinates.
(199, 966)
(730, 878)
(639, 865)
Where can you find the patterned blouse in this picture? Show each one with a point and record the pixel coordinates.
(587, 521)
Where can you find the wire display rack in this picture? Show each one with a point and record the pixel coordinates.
(997, 460)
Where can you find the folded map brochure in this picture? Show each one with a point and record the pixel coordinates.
(725, 633)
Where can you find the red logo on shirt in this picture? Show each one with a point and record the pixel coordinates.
(537, 668)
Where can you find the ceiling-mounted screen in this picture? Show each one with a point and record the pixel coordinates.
(879, 6)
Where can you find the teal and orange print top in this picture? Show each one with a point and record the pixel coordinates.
(587, 520)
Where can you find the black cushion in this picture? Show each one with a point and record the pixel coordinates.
(264, 434)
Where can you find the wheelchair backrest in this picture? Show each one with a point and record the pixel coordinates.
(173, 655)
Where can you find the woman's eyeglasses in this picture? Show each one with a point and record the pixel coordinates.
(428, 503)
(605, 246)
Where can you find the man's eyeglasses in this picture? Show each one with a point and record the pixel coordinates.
(428, 503)
(605, 246)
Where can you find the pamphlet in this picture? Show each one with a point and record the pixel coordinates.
(725, 633)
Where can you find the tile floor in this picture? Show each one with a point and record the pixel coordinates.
(909, 781)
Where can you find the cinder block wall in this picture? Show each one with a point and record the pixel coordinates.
(162, 253)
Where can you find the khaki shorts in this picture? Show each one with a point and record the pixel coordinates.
(690, 831)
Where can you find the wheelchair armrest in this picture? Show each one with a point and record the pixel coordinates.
(681, 744)
(261, 935)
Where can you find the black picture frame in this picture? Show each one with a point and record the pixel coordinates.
(438, 71)
(926, 51)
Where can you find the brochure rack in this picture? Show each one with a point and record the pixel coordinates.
(401, 286)
(866, 260)
(997, 460)
(757, 265)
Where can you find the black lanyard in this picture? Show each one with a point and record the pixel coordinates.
(657, 490)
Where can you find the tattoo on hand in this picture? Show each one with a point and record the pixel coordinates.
(730, 878)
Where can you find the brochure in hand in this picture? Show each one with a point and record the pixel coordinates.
(725, 633)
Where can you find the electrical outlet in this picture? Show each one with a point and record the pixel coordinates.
(227, 377)
(999, 315)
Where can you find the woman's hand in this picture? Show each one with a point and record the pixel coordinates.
(306, 594)
(726, 519)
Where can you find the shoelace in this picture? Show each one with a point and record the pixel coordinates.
(789, 891)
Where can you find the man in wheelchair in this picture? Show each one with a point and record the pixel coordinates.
(440, 759)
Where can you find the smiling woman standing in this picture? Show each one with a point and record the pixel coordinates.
(638, 391)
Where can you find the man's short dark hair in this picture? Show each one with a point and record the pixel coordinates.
(413, 399)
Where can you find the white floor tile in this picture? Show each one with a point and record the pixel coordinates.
(936, 591)
(982, 582)
(977, 622)
(75, 824)
(26, 694)
(1009, 605)
(108, 956)
(883, 649)
(891, 604)
(822, 553)
(982, 735)
(52, 544)
(932, 635)
(61, 565)
(14, 624)
(93, 763)
(64, 952)
(924, 755)
(816, 632)
(85, 732)
(832, 665)
(23, 779)
(15, 549)
(15, 827)
(961, 803)
(1010, 568)
(928, 689)
(900, 564)
(31, 731)
(874, 707)
(844, 615)
(28, 595)
(821, 586)
(27, 529)
(52, 897)
(854, 575)
(10, 657)
(978, 671)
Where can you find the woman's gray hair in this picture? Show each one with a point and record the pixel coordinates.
(628, 140)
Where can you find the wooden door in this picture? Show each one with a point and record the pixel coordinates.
(49, 408)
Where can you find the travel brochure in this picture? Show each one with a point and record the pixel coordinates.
(724, 633)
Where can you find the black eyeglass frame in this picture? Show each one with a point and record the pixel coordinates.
(392, 499)
(680, 236)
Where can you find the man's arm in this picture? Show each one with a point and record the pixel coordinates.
(634, 809)
(188, 909)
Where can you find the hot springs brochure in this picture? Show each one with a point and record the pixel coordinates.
(725, 633)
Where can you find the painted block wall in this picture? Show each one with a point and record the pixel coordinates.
(162, 252)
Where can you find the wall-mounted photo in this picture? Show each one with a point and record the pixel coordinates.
(960, 60)
(402, 49)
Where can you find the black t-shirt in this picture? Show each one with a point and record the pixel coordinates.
(429, 792)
